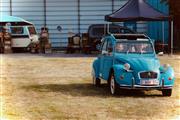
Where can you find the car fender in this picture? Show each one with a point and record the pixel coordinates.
(117, 69)
(167, 75)
(122, 76)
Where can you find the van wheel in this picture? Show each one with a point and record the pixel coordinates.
(96, 81)
(167, 92)
(113, 85)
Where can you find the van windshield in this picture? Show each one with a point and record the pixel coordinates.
(32, 31)
(17, 30)
(1, 29)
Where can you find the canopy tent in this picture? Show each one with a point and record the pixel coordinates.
(139, 10)
(14, 21)
(136, 10)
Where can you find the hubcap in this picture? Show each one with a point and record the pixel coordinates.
(112, 86)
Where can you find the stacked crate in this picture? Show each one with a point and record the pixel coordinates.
(7, 43)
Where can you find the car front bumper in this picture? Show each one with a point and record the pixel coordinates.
(159, 87)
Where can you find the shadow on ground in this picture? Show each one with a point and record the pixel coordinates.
(86, 90)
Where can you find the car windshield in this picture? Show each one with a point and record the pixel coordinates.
(17, 30)
(134, 47)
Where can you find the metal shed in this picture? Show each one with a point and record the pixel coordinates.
(75, 15)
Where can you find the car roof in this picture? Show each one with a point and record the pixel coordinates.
(130, 37)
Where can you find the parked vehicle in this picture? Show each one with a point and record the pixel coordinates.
(23, 33)
(97, 31)
(22, 36)
(129, 61)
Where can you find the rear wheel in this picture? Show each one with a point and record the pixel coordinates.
(167, 92)
(96, 81)
(113, 85)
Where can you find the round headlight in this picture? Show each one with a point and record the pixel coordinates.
(127, 66)
(166, 66)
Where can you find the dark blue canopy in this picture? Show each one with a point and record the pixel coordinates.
(136, 10)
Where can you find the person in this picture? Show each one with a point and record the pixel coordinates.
(140, 48)
(70, 33)
(44, 38)
(44, 33)
(120, 48)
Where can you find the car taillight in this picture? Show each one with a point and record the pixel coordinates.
(169, 78)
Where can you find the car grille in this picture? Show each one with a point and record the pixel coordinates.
(148, 75)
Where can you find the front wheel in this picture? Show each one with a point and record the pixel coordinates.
(113, 85)
(167, 92)
(96, 81)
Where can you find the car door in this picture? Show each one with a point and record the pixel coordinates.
(101, 56)
(107, 60)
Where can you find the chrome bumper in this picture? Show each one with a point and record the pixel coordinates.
(160, 87)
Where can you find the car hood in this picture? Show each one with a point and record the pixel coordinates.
(140, 63)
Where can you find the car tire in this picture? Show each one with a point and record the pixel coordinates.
(167, 92)
(96, 81)
(113, 85)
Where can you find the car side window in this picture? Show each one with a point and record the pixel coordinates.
(104, 47)
(109, 46)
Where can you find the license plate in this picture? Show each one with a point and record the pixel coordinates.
(149, 82)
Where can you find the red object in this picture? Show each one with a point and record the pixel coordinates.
(169, 78)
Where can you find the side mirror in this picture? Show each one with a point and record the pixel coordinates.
(160, 54)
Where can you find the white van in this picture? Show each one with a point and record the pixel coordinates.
(23, 32)
(23, 36)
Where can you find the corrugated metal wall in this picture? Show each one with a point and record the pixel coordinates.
(5, 7)
(155, 28)
(75, 15)
(31, 10)
(62, 13)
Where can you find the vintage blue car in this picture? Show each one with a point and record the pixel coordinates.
(129, 61)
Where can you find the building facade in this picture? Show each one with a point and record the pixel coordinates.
(76, 16)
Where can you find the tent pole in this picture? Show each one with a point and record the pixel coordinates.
(163, 35)
(172, 37)
(105, 28)
(108, 28)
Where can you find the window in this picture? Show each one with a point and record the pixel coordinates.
(32, 30)
(17, 30)
(98, 31)
(1, 29)
(104, 47)
(109, 46)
